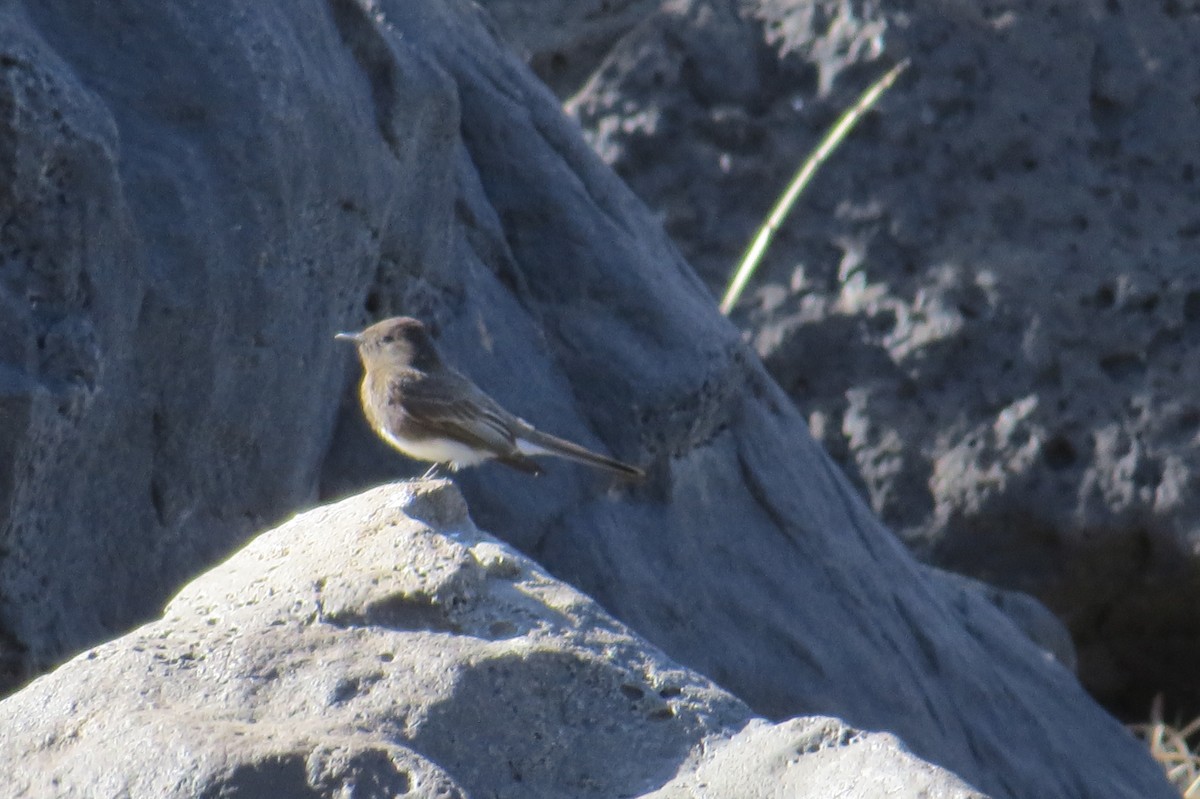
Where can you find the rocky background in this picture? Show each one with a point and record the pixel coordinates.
(988, 303)
(198, 196)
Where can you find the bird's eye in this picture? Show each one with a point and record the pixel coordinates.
(388, 339)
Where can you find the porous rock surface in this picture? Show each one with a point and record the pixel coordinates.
(987, 303)
(563, 41)
(190, 195)
(210, 190)
(384, 647)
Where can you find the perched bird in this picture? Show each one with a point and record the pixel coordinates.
(430, 412)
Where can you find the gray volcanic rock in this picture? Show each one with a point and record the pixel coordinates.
(804, 758)
(359, 650)
(987, 302)
(192, 200)
(287, 169)
(565, 40)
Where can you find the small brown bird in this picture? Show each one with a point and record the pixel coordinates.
(430, 412)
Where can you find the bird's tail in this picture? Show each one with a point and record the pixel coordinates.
(534, 442)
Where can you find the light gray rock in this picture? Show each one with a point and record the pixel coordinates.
(804, 758)
(357, 650)
(986, 303)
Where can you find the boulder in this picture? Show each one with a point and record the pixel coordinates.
(986, 303)
(385, 647)
(193, 203)
(564, 41)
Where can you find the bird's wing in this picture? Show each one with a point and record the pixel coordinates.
(448, 405)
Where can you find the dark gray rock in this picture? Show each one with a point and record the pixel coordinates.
(289, 169)
(357, 650)
(193, 198)
(1030, 616)
(986, 304)
(565, 40)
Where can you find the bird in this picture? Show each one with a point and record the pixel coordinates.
(431, 412)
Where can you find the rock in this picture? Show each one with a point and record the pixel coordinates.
(810, 758)
(564, 41)
(1029, 616)
(986, 303)
(357, 650)
(287, 170)
(194, 202)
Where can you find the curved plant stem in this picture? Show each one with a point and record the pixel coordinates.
(833, 138)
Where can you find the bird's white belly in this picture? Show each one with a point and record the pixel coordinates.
(438, 450)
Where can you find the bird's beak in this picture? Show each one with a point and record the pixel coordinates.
(355, 337)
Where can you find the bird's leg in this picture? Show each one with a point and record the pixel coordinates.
(431, 472)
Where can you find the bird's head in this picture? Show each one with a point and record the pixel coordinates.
(401, 342)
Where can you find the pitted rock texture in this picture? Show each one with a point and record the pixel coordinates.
(565, 40)
(986, 304)
(294, 168)
(357, 650)
(193, 197)
(806, 757)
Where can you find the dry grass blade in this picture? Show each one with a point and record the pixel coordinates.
(833, 138)
(1191, 729)
(1170, 747)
